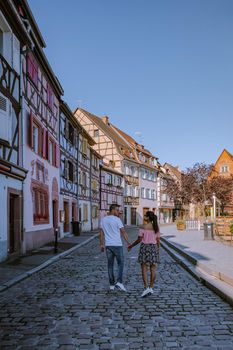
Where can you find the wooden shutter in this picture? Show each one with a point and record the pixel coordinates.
(84, 146)
(16, 54)
(57, 155)
(44, 143)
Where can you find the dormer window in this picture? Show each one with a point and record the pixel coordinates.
(96, 133)
(224, 169)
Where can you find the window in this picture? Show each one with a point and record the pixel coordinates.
(71, 133)
(109, 179)
(94, 212)
(224, 169)
(32, 68)
(50, 97)
(148, 193)
(70, 171)
(51, 152)
(85, 212)
(84, 146)
(40, 205)
(35, 138)
(118, 181)
(83, 179)
(96, 133)
(143, 192)
(153, 193)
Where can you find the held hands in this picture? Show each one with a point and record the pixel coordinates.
(129, 247)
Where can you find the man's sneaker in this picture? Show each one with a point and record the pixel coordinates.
(112, 287)
(120, 286)
(146, 292)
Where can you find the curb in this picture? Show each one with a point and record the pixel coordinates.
(45, 264)
(221, 288)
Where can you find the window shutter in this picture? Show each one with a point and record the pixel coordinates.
(44, 143)
(30, 130)
(57, 157)
(16, 54)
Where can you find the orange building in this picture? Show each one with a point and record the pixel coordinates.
(224, 167)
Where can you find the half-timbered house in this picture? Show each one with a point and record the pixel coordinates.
(148, 172)
(41, 93)
(84, 180)
(13, 38)
(69, 146)
(117, 152)
(96, 161)
(111, 189)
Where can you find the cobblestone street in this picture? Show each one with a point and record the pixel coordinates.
(68, 306)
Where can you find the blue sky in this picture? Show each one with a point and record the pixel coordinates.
(160, 67)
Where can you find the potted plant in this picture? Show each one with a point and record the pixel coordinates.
(180, 224)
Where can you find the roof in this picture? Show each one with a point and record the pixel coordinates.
(173, 170)
(123, 147)
(225, 150)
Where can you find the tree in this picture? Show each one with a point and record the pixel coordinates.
(194, 186)
(222, 186)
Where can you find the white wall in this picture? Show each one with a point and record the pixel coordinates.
(5, 182)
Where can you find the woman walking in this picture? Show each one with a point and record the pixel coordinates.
(148, 257)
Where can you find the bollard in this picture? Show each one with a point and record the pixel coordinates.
(55, 240)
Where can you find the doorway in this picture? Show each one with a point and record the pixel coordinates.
(14, 223)
(67, 219)
(133, 216)
(125, 215)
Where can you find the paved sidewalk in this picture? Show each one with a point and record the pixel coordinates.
(12, 271)
(215, 258)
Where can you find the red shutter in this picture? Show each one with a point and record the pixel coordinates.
(32, 68)
(30, 130)
(57, 155)
(44, 143)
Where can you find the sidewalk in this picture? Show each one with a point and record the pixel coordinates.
(15, 270)
(211, 261)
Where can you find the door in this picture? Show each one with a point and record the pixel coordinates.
(145, 210)
(125, 215)
(14, 223)
(133, 216)
(67, 221)
(74, 216)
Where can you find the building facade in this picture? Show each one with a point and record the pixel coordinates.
(41, 93)
(13, 38)
(165, 202)
(111, 189)
(117, 153)
(69, 148)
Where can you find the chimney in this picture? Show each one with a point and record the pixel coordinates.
(105, 119)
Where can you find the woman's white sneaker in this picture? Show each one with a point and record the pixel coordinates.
(112, 287)
(146, 292)
(151, 290)
(120, 286)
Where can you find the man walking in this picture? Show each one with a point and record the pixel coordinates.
(111, 231)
